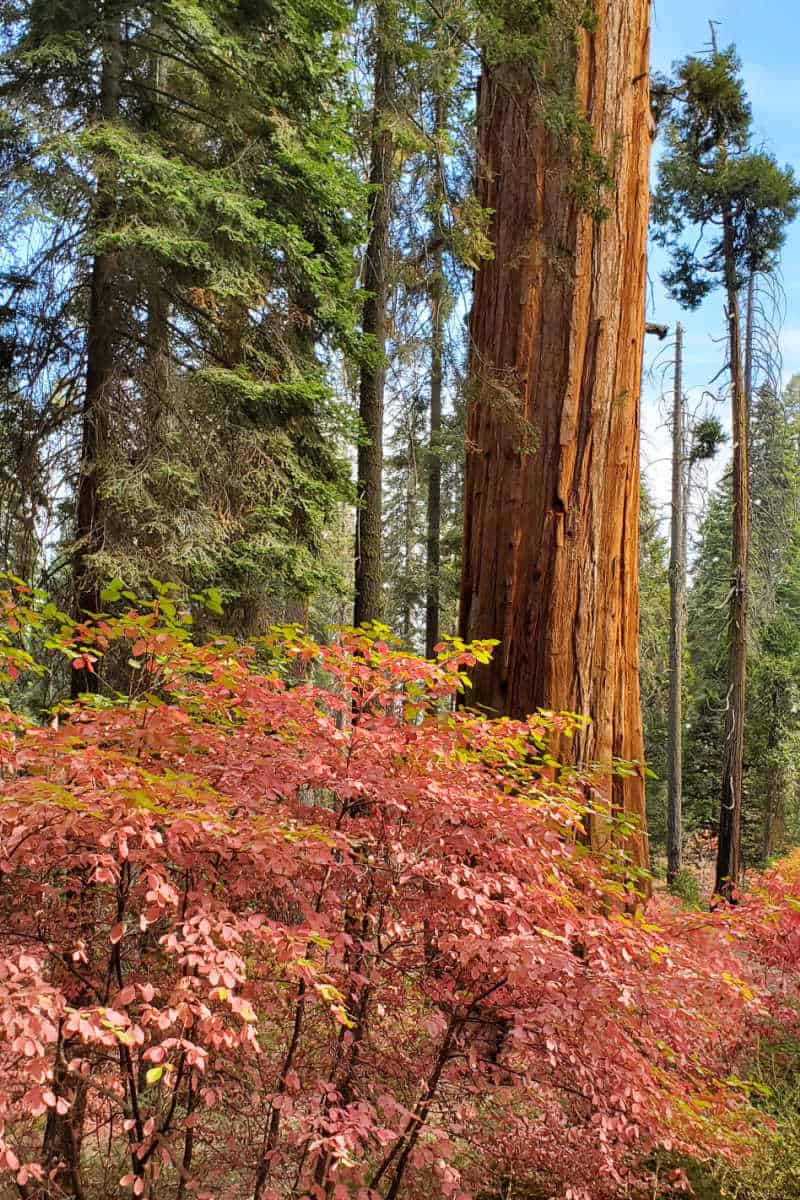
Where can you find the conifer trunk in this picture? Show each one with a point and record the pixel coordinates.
(677, 602)
(434, 532)
(749, 336)
(157, 347)
(434, 550)
(369, 513)
(410, 533)
(557, 334)
(100, 364)
(729, 847)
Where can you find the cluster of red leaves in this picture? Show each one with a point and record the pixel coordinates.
(302, 930)
(768, 926)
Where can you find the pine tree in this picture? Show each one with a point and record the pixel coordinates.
(734, 204)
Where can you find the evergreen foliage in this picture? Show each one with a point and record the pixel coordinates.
(772, 818)
(709, 171)
(707, 645)
(230, 213)
(654, 660)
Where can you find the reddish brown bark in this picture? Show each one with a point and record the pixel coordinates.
(557, 331)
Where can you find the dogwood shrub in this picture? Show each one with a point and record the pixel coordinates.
(280, 922)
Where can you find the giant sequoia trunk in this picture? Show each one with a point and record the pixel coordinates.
(557, 332)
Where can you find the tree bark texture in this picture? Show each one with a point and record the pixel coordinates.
(434, 547)
(729, 846)
(677, 605)
(434, 513)
(100, 366)
(749, 335)
(369, 512)
(157, 346)
(557, 333)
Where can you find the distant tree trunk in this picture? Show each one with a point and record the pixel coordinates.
(437, 298)
(729, 849)
(774, 828)
(557, 334)
(677, 601)
(100, 366)
(749, 330)
(157, 345)
(434, 541)
(410, 533)
(369, 514)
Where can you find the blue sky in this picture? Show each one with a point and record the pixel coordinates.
(764, 34)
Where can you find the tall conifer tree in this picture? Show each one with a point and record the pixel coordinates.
(736, 204)
(377, 284)
(197, 156)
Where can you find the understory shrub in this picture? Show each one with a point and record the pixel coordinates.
(280, 922)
